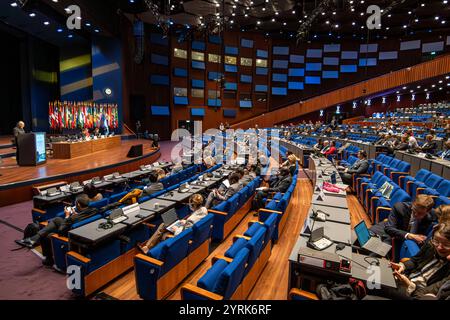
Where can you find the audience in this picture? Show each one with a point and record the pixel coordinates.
(198, 212)
(153, 186)
(218, 195)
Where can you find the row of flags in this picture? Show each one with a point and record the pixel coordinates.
(73, 115)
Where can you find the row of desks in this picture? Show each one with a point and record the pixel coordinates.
(309, 267)
(437, 166)
(91, 235)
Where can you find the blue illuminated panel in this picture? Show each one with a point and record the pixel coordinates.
(349, 68)
(181, 101)
(279, 77)
(198, 45)
(198, 65)
(332, 48)
(160, 110)
(277, 91)
(296, 72)
(314, 53)
(313, 80)
(230, 68)
(283, 51)
(262, 53)
(280, 64)
(262, 71)
(159, 80)
(215, 39)
(330, 74)
(313, 67)
(180, 72)
(232, 50)
(296, 86)
(245, 43)
(214, 76)
(261, 88)
(246, 78)
(370, 62)
(198, 83)
(349, 55)
(245, 104)
(231, 86)
(214, 103)
(198, 112)
(331, 61)
(229, 113)
(293, 58)
(160, 60)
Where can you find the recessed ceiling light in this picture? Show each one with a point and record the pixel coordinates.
(436, 18)
(13, 4)
(32, 14)
(46, 23)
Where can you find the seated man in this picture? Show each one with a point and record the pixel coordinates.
(198, 213)
(281, 185)
(154, 186)
(218, 195)
(359, 167)
(410, 221)
(326, 147)
(318, 146)
(445, 154)
(60, 226)
(92, 192)
(429, 146)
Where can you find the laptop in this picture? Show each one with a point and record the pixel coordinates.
(170, 219)
(117, 216)
(372, 244)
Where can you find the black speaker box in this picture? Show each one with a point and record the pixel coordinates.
(136, 151)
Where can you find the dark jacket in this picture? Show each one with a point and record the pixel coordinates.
(282, 184)
(430, 147)
(426, 254)
(398, 221)
(359, 167)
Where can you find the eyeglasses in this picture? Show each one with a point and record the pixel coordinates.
(436, 243)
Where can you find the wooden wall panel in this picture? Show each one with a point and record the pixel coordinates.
(439, 66)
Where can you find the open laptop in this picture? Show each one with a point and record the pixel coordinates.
(117, 216)
(372, 244)
(170, 219)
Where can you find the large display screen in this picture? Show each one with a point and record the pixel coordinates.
(41, 156)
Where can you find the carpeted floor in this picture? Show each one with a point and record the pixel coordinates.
(22, 275)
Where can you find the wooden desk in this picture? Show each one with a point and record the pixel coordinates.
(68, 150)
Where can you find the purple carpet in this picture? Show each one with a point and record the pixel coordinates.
(22, 275)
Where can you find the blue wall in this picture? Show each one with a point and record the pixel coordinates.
(107, 72)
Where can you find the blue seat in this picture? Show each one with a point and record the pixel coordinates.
(406, 181)
(223, 278)
(270, 224)
(443, 189)
(201, 232)
(382, 206)
(432, 181)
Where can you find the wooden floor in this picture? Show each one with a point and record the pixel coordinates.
(273, 283)
(12, 173)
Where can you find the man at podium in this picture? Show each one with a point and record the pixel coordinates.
(17, 131)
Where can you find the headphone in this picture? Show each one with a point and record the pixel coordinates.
(106, 225)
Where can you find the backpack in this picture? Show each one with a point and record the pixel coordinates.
(354, 290)
(30, 230)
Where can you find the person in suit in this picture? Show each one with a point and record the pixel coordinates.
(60, 226)
(359, 167)
(216, 196)
(429, 146)
(161, 234)
(408, 221)
(18, 130)
(281, 185)
(85, 135)
(445, 154)
(154, 186)
(423, 273)
(96, 133)
(403, 145)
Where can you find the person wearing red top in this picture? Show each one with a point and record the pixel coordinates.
(332, 149)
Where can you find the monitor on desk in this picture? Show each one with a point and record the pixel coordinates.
(362, 233)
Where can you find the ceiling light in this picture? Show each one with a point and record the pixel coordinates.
(14, 4)
(284, 23)
(353, 23)
(46, 23)
(258, 22)
(273, 19)
(293, 11)
(436, 18)
(416, 20)
(276, 13)
(440, 81)
(389, 15)
(264, 9)
(327, 22)
(32, 15)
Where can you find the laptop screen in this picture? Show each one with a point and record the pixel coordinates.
(169, 217)
(362, 233)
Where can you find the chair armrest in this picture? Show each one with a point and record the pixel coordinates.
(149, 225)
(269, 211)
(221, 257)
(60, 238)
(302, 293)
(148, 259)
(405, 260)
(398, 173)
(377, 214)
(407, 186)
(78, 257)
(39, 211)
(201, 292)
(418, 190)
(236, 237)
(217, 212)
(250, 223)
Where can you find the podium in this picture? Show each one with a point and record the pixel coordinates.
(31, 149)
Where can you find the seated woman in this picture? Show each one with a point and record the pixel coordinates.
(92, 192)
(198, 213)
(332, 150)
(422, 273)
